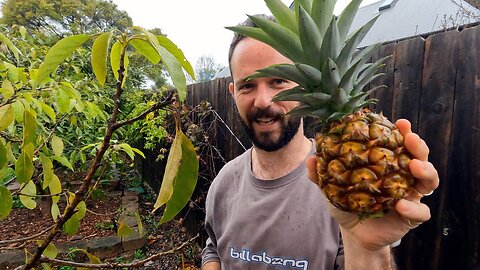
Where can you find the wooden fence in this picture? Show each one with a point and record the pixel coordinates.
(434, 82)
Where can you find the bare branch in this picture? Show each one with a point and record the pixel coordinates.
(155, 107)
(25, 238)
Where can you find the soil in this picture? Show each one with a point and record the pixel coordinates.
(97, 222)
(23, 222)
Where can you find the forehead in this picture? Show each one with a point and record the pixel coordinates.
(251, 55)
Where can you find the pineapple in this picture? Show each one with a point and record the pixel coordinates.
(362, 163)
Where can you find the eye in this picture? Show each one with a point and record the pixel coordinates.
(277, 82)
(245, 87)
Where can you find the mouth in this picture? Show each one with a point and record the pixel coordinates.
(265, 121)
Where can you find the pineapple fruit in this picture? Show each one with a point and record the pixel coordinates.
(362, 164)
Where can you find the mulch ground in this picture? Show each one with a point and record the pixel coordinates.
(98, 223)
(23, 222)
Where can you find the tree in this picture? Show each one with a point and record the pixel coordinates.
(38, 96)
(65, 17)
(206, 68)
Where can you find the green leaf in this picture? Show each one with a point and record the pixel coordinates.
(115, 58)
(55, 211)
(175, 71)
(24, 168)
(57, 145)
(185, 178)
(64, 161)
(23, 31)
(258, 34)
(29, 192)
(29, 131)
(283, 14)
(62, 99)
(47, 168)
(6, 202)
(18, 107)
(310, 38)
(136, 150)
(72, 224)
(93, 259)
(331, 45)
(99, 56)
(322, 14)
(146, 49)
(175, 51)
(71, 91)
(55, 188)
(10, 155)
(139, 223)
(171, 171)
(51, 251)
(16, 52)
(7, 89)
(124, 230)
(48, 111)
(6, 116)
(127, 149)
(288, 42)
(3, 155)
(58, 53)
(346, 18)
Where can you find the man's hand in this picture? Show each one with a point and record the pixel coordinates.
(374, 234)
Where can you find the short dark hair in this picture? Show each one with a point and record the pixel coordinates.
(238, 37)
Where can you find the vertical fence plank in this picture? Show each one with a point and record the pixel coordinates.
(435, 123)
(385, 94)
(408, 79)
(463, 201)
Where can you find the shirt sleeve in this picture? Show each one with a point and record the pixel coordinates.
(209, 253)
(340, 259)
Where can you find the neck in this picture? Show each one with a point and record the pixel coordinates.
(272, 165)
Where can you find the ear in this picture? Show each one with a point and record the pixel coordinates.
(230, 88)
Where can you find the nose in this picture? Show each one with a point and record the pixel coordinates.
(263, 97)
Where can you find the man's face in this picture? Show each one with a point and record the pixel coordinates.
(264, 121)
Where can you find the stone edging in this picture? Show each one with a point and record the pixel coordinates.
(102, 247)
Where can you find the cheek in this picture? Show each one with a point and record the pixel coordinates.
(290, 105)
(243, 102)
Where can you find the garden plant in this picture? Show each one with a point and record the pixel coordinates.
(63, 107)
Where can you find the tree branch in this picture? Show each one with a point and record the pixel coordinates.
(25, 238)
(155, 107)
(82, 191)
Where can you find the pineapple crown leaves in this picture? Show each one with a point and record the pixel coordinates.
(331, 74)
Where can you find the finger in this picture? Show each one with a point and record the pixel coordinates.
(404, 126)
(311, 164)
(426, 175)
(416, 146)
(415, 212)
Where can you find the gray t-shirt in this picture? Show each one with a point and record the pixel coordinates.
(275, 224)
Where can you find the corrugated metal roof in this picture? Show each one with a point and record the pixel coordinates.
(412, 17)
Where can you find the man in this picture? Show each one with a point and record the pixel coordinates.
(261, 210)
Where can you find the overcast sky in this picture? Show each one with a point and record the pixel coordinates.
(197, 27)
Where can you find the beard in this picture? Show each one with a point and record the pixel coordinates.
(265, 140)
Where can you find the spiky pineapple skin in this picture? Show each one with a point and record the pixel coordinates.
(362, 164)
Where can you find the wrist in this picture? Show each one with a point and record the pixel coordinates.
(359, 257)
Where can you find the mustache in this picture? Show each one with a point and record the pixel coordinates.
(256, 113)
